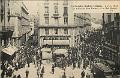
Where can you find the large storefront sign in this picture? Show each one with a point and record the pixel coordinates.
(56, 42)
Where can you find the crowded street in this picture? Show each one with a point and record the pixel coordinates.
(33, 66)
(70, 73)
(57, 39)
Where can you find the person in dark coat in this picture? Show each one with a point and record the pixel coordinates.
(10, 71)
(53, 68)
(19, 76)
(2, 74)
(14, 76)
(82, 74)
(64, 75)
(27, 73)
(43, 71)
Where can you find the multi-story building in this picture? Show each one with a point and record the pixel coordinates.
(6, 29)
(111, 48)
(56, 24)
(59, 24)
(20, 21)
(82, 22)
(14, 23)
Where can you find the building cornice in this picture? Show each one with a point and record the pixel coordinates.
(58, 35)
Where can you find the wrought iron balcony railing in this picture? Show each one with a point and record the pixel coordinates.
(55, 15)
(46, 15)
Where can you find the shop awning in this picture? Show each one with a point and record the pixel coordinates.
(110, 62)
(103, 67)
(46, 49)
(46, 55)
(10, 50)
(61, 51)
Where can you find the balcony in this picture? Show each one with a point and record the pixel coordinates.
(46, 15)
(46, 3)
(56, 15)
(25, 16)
(7, 28)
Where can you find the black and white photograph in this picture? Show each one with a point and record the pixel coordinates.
(59, 39)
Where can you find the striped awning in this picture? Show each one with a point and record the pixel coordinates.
(103, 67)
(61, 51)
(45, 49)
(10, 50)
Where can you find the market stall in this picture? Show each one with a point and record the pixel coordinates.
(63, 52)
(8, 53)
(46, 53)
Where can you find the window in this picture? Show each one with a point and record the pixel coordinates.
(56, 9)
(47, 20)
(65, 10)
(109, 18)
(1, 1)
(56, 31)
(46, 9)
(46, 31)
(2, 12)
(117, 14)
(65, 31)
(65, 20)
(56, 21)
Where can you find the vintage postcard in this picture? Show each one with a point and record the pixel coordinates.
(60, 38)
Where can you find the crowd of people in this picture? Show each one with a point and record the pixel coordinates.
(22, 57)
(27, 55)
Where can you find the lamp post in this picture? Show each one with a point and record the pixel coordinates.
(52, 49)
(118, 37)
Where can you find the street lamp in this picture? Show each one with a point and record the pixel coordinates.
(52, 47)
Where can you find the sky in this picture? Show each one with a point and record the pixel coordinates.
(33, 8)
(96, 15)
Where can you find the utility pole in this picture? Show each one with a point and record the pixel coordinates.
(4, 22)
(118, 37)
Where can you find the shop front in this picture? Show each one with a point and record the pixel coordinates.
(56, 44)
